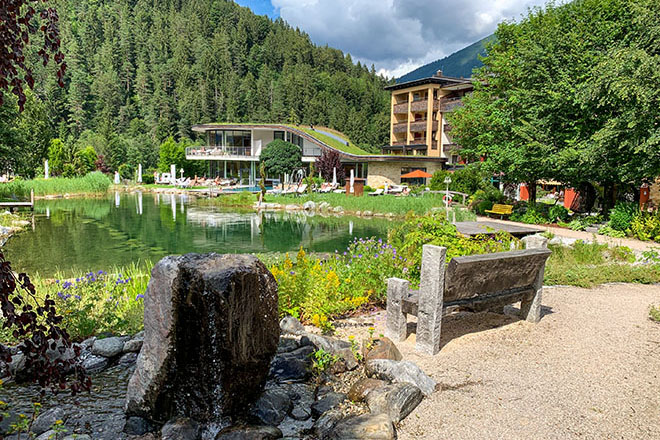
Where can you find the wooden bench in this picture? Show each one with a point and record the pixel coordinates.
(500, 210)
(476, 282)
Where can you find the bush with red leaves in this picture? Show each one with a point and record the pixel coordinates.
(18, 21)
(47, 349)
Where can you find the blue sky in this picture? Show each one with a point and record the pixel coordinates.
(396, 36)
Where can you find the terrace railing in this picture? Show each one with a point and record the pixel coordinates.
(219, 151)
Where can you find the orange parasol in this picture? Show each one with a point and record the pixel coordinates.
(417, 174)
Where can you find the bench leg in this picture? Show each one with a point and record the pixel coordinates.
(396, 327)
(530, 307)
(431, 295)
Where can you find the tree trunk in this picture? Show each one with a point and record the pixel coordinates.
(531, 189)
(608, 198)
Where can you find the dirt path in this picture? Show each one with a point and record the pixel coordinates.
(588, 370)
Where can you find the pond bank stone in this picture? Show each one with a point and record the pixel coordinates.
(46, 420)
(396, 400)
(367, 426)
(402, 372)
(249, 433)
(108, 347)
(211, 329)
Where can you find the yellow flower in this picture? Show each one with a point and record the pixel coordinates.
(351, 337)
(59, 422)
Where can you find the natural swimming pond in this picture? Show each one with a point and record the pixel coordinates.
(83, 234)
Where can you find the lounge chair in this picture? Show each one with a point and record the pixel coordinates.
(302, 188)
(329, 188)
(395, 189)
(378, 192)
(339, 191)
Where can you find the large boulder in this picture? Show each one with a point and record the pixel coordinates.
(211, 330)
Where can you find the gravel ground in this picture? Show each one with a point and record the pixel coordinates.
(588, 370)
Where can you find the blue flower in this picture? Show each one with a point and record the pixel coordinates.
(139, 296)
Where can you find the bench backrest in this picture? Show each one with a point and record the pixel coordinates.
(505, 209)
(475, 275)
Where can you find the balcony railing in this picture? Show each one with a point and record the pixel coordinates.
(449, 105)
(401, 127)
(420, 106)
(401, 107)
(219, 151)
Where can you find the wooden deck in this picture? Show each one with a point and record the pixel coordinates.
(12, 205)
(491, 228)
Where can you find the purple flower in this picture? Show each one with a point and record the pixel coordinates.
(139, 296)
(292, 273)
(77, 297)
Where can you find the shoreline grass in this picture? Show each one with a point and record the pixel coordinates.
(92, 183)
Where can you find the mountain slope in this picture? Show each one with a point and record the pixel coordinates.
(459, 64)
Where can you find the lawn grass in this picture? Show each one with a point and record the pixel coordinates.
(92, 183)
(351, 148)
(587, 265)
(397, 205)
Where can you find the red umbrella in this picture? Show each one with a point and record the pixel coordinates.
(417, 174)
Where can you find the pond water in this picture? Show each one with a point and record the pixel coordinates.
(83, 234)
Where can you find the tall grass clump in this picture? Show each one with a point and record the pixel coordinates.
(92, 183)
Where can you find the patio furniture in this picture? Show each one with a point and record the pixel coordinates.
(378, 192)
(500, 210)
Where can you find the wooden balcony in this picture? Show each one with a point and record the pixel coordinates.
(401, 127)
(401, 108)
(450, 105)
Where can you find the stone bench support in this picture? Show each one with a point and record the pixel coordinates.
(476, 282)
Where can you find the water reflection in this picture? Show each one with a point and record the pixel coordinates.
(77, 235)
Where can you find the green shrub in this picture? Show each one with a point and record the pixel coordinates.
(415, 232)
(621, 216)
(18, 189)
(558, 213)
(483, 206)
(148, 179)
(126, 171)
(610, 232)
(654, 314)
(646, 226)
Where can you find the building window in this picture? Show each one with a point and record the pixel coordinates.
(278, 135)
(238, 138)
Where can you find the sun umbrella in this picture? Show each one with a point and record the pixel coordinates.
(334, 176)
(417, 174)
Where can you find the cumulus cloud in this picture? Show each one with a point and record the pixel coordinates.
(399, 35)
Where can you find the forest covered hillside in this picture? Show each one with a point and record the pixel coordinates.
(139, 71)
(459, 64)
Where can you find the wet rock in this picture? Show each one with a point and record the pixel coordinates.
(180, 428)
(287, 344)
(128, 359)
(338, 209)
(323, 206)
(328, 402)
(326, 423)
(77, 437)
(383, 348)
(302, 396)
(367, 213)
(285, 369)
(108, 347)
(138, 426)
(367, 426)
(46, 420)
(132, 346)
(291, 427)
(292, 207)
(211, 329)
(94, 364)
(362, 387)
(249, 433)
(309, 206)
(291, 325)
(396, 400)
(272, 407)
(400, 371)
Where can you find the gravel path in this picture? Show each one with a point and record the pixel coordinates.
(588, 370)
(636, 245)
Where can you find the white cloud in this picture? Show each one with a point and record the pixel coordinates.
(399, 35)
